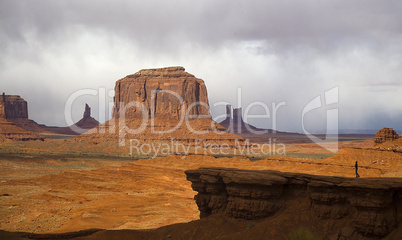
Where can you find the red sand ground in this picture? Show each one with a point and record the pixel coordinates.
(60, 193)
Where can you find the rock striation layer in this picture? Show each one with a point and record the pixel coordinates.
(9, 131)
(13, 106)
(14, 122)
(165, 93)
(370, 207)
(385, 135)
(164, 107)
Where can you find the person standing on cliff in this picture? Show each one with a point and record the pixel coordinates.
(356, 167)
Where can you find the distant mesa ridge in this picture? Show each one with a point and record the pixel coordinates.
(236, 124)
(87, 122)
(82, 126)
(14, 122)
(14, 109)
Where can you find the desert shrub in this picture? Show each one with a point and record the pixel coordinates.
(250, 225)
(302, 234)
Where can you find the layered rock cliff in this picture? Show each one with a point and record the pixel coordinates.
(15, 124)
(164, 92)
(365, 208)
(385, 135)
(163, 106)
(9, 131)
(13, 106)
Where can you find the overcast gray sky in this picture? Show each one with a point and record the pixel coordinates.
(275, 51)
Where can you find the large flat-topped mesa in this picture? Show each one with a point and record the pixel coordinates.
(175, 107)
(164, 92)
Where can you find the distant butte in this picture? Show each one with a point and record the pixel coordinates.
(87, 122)
(236, 124)
(385, 135)
(14, 122)
(83, 125)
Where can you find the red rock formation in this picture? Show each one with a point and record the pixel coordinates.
(13, 106)
(384, 135)
(165, 92)
(83, 125)
(15, 109)
(163, 97)
(370, 207)
(236, 124)
(9, 131)
(87, 112)
(87, 122)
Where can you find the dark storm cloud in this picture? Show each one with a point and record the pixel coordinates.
(291, 50)
(212, 23)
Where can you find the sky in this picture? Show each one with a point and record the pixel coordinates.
(250, 54)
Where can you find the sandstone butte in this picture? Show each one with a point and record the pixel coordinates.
(159, 99)
(86, 123)
(14, 122)
(235, 123)
(384, 135)
(14, 109)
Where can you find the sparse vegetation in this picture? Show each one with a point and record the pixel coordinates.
(302, 234)
(250, 225)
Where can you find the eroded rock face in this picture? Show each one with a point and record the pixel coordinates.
(384, 135)
(14, 109)
(85, 123)
(87, 111)
(235, 123)
(13, 106)
(165, 106)
(163, 93)
(9, 131)
(372, 206)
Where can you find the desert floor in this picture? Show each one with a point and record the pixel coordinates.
(51, 191)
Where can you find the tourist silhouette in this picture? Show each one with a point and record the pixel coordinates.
(356, 167)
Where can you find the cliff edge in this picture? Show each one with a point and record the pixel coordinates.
(336, 207)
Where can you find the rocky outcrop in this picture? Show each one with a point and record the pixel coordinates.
(385, 135)
(82, 126)
(87, 122)
(15, 110)
(371, 208)
(236, 124)
(9, 131)
(13, 106)
(87, 112)
(163, 106)
(164, 93)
